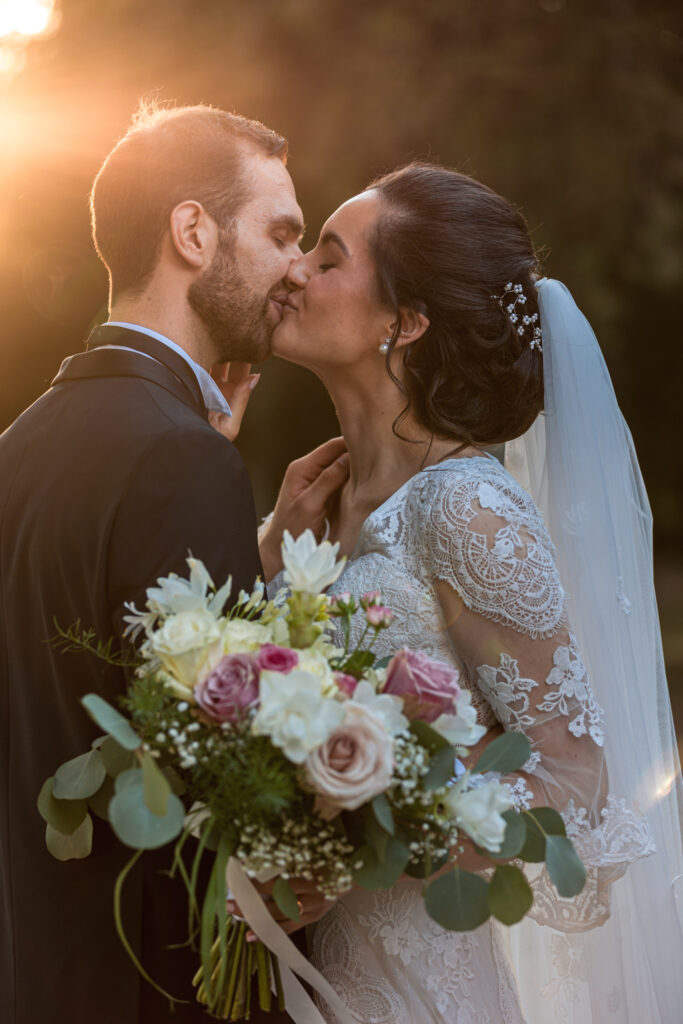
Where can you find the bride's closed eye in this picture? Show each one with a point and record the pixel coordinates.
(326, 266)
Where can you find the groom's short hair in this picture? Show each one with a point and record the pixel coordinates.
(167, 156)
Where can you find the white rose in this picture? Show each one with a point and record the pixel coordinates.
(310, 567)
(353, 765)
(187, 644)
(385, 706)
(479, 812)
(461, 729)
(294, 712)
(240, 636)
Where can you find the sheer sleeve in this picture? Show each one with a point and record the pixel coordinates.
(490, 561)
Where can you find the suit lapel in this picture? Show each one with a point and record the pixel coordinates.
(113, 363)
(121, 336)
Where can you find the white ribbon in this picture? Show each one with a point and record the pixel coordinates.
(298, 1004)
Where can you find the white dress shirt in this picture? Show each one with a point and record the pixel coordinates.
(213, 397)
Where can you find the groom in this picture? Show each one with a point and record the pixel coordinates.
(106, 482)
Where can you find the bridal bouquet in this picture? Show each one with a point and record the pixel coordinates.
(254, 737)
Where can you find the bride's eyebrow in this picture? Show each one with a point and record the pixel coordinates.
(333, 237)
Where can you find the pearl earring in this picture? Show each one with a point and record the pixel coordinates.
(384, 347)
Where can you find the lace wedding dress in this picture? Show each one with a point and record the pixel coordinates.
(467, 525)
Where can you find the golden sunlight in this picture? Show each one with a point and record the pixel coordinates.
(25, 17)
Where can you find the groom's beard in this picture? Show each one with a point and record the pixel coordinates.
(235, 316)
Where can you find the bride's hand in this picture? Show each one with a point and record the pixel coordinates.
(311, 903)
(308, 485)
(236, 384)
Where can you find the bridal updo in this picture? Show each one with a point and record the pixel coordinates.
(444, 244)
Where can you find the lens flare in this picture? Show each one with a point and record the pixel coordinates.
(25, 17)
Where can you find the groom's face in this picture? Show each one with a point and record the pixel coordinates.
(240, 296)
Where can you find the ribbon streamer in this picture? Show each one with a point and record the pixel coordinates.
(298, 1004)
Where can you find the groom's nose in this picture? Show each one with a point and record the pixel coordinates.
(297, 274)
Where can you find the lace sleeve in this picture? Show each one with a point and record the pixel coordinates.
(491, 563)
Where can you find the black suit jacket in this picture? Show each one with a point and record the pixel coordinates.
(106, 482)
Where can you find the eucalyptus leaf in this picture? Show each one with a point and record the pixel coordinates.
(428, 737)
(134, 823)
(80, 777)
(131, 777)
(458, 900)
(382, 811)
(382, 662)
(63, 815)
(540, 822)
(111, 721)
(564, 867)
(375, 835)
(373, 873)
(99, 801)
(514, 839)
(155, 786)
(73, 847)
(504, 754)
(176, 783)
(285, 897)
(510, 896)
(441, 769)
(116, 758)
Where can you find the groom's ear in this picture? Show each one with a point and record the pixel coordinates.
(194, 234)
(413, 325)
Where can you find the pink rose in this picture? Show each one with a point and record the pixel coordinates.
(276, 659)
(428, 687)
(347, 684)
(379, 616)
(230, 690)
(353, 765)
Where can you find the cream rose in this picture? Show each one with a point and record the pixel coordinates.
(240, 636)
(187, 645)
(353, 765)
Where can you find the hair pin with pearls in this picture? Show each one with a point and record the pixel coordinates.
(512, 297)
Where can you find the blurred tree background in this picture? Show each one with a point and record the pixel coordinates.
(571, 108)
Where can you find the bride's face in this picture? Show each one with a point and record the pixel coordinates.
(335, 317)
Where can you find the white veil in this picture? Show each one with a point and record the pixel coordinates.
(579, 465)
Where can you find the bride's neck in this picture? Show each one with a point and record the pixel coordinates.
(380, 461)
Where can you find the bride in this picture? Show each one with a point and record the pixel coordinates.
(422, 311)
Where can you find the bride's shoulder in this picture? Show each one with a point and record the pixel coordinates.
(461, 490)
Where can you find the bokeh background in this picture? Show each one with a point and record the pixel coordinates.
(571, 108)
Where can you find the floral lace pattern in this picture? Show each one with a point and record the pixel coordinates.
(569, 676)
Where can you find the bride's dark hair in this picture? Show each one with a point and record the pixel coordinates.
(444, 244)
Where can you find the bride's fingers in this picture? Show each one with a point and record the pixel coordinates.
(237, 397)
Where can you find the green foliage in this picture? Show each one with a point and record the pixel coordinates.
(441, 768)
(509, 894)
(116, 758)
(76, 639)
(62, 815)
(566, 871)
(75, 846)
(80, 777)
(110, 721)
(458, 900)
(515, 836)
(382, 812)
(540, 822)
(156, 789)
(428, 737)
(506, 753)
(372, 871)
(285, 897)
(132, 820)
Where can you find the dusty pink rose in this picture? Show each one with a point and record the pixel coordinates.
(379, 616)
(428, 687)
(347, 684)
(276, 659)
(230, 690)
(353, 765)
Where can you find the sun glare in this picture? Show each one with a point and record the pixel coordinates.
(25, 17)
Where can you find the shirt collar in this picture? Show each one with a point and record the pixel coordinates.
(213, 397)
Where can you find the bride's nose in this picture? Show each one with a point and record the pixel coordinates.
(297, 274)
